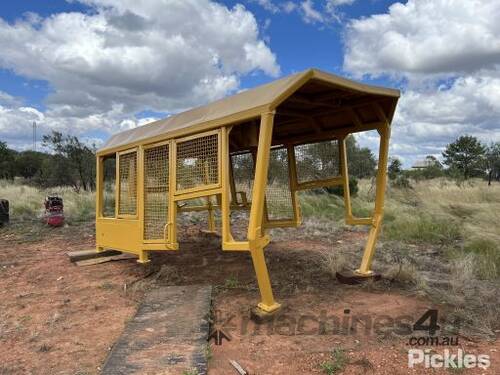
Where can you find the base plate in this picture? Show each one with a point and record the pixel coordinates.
(352, 278)
(260, 316)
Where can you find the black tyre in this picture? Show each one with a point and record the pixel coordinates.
(4, 211)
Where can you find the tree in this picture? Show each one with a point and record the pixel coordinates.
(493, 161)
(465, 155)
(433, 167)
(360, 160)
(29, 163)
(73, 157)
(7, 159)
(395, 168)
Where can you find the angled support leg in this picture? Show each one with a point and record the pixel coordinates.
(255, 237)
(366, 262)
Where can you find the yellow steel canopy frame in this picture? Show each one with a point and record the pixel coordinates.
(192, 155)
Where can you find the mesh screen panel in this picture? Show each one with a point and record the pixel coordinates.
(156, 174)
(243, 174)
(128, 184)
(108, 186)
(317, 161)
(278, 195)
(197, 162)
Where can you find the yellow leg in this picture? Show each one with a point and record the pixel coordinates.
(255, 238)
(345, 179)
(227, 180)
(143, 257)
(366, 262)
(211, 216)
(99, 249)
(268, 304)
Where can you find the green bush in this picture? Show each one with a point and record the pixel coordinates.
(401, 182)
(339, 190)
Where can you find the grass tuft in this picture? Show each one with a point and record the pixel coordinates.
(337, 362)
(423, 228)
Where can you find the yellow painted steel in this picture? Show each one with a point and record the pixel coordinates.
(200, 165)
(268, 304)
(366, 262)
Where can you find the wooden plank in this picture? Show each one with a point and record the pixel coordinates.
(238, 367)
(112, 258)
(75, 256)
(168, 334)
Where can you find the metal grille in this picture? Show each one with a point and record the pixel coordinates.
(197, 162)
(243, 175)
(156, 186)
(108, 186)
(317, 161)
(279, 204)
(128, 184)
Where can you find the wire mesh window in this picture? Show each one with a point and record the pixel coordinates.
(317, 161)
(197, 162)
(108, 186)
(279, 204)
(243, 175)
(156, 188)
(128, 184)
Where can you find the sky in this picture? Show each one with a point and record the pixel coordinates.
(92, 68)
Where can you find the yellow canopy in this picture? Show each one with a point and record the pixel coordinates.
(305, 100)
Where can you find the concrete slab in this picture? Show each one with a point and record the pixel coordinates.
(168, 334)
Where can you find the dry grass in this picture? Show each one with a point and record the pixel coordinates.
(439, 239)
(26, 202)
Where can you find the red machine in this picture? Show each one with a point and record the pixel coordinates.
(54, 211)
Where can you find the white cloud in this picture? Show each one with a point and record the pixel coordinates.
(448, 57)
(337, 3)
(9, 100)
(289, 6)
(426, 37)
(267, 5)
(327, 12)
(127, 56)
(332, 8)
(310, 14)
(324, 13)
(436, 117)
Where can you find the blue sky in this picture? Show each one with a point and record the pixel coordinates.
(95, 67)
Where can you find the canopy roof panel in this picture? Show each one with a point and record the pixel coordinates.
(242, 106)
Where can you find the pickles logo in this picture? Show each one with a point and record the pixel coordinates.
(447, 360)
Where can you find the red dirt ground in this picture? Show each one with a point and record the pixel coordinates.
(57, 318)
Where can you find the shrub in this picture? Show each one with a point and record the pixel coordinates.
(336, 364)
(339, 190)
(401, 182)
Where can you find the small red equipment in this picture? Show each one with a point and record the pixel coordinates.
(54, 211)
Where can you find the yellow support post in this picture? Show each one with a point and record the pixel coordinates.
(255, 238)
(345, 179)
(292, 178)
(210, 208)
(172, 204)
(226, 193)
(143, 257)
(99, 184)
(366, 262)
